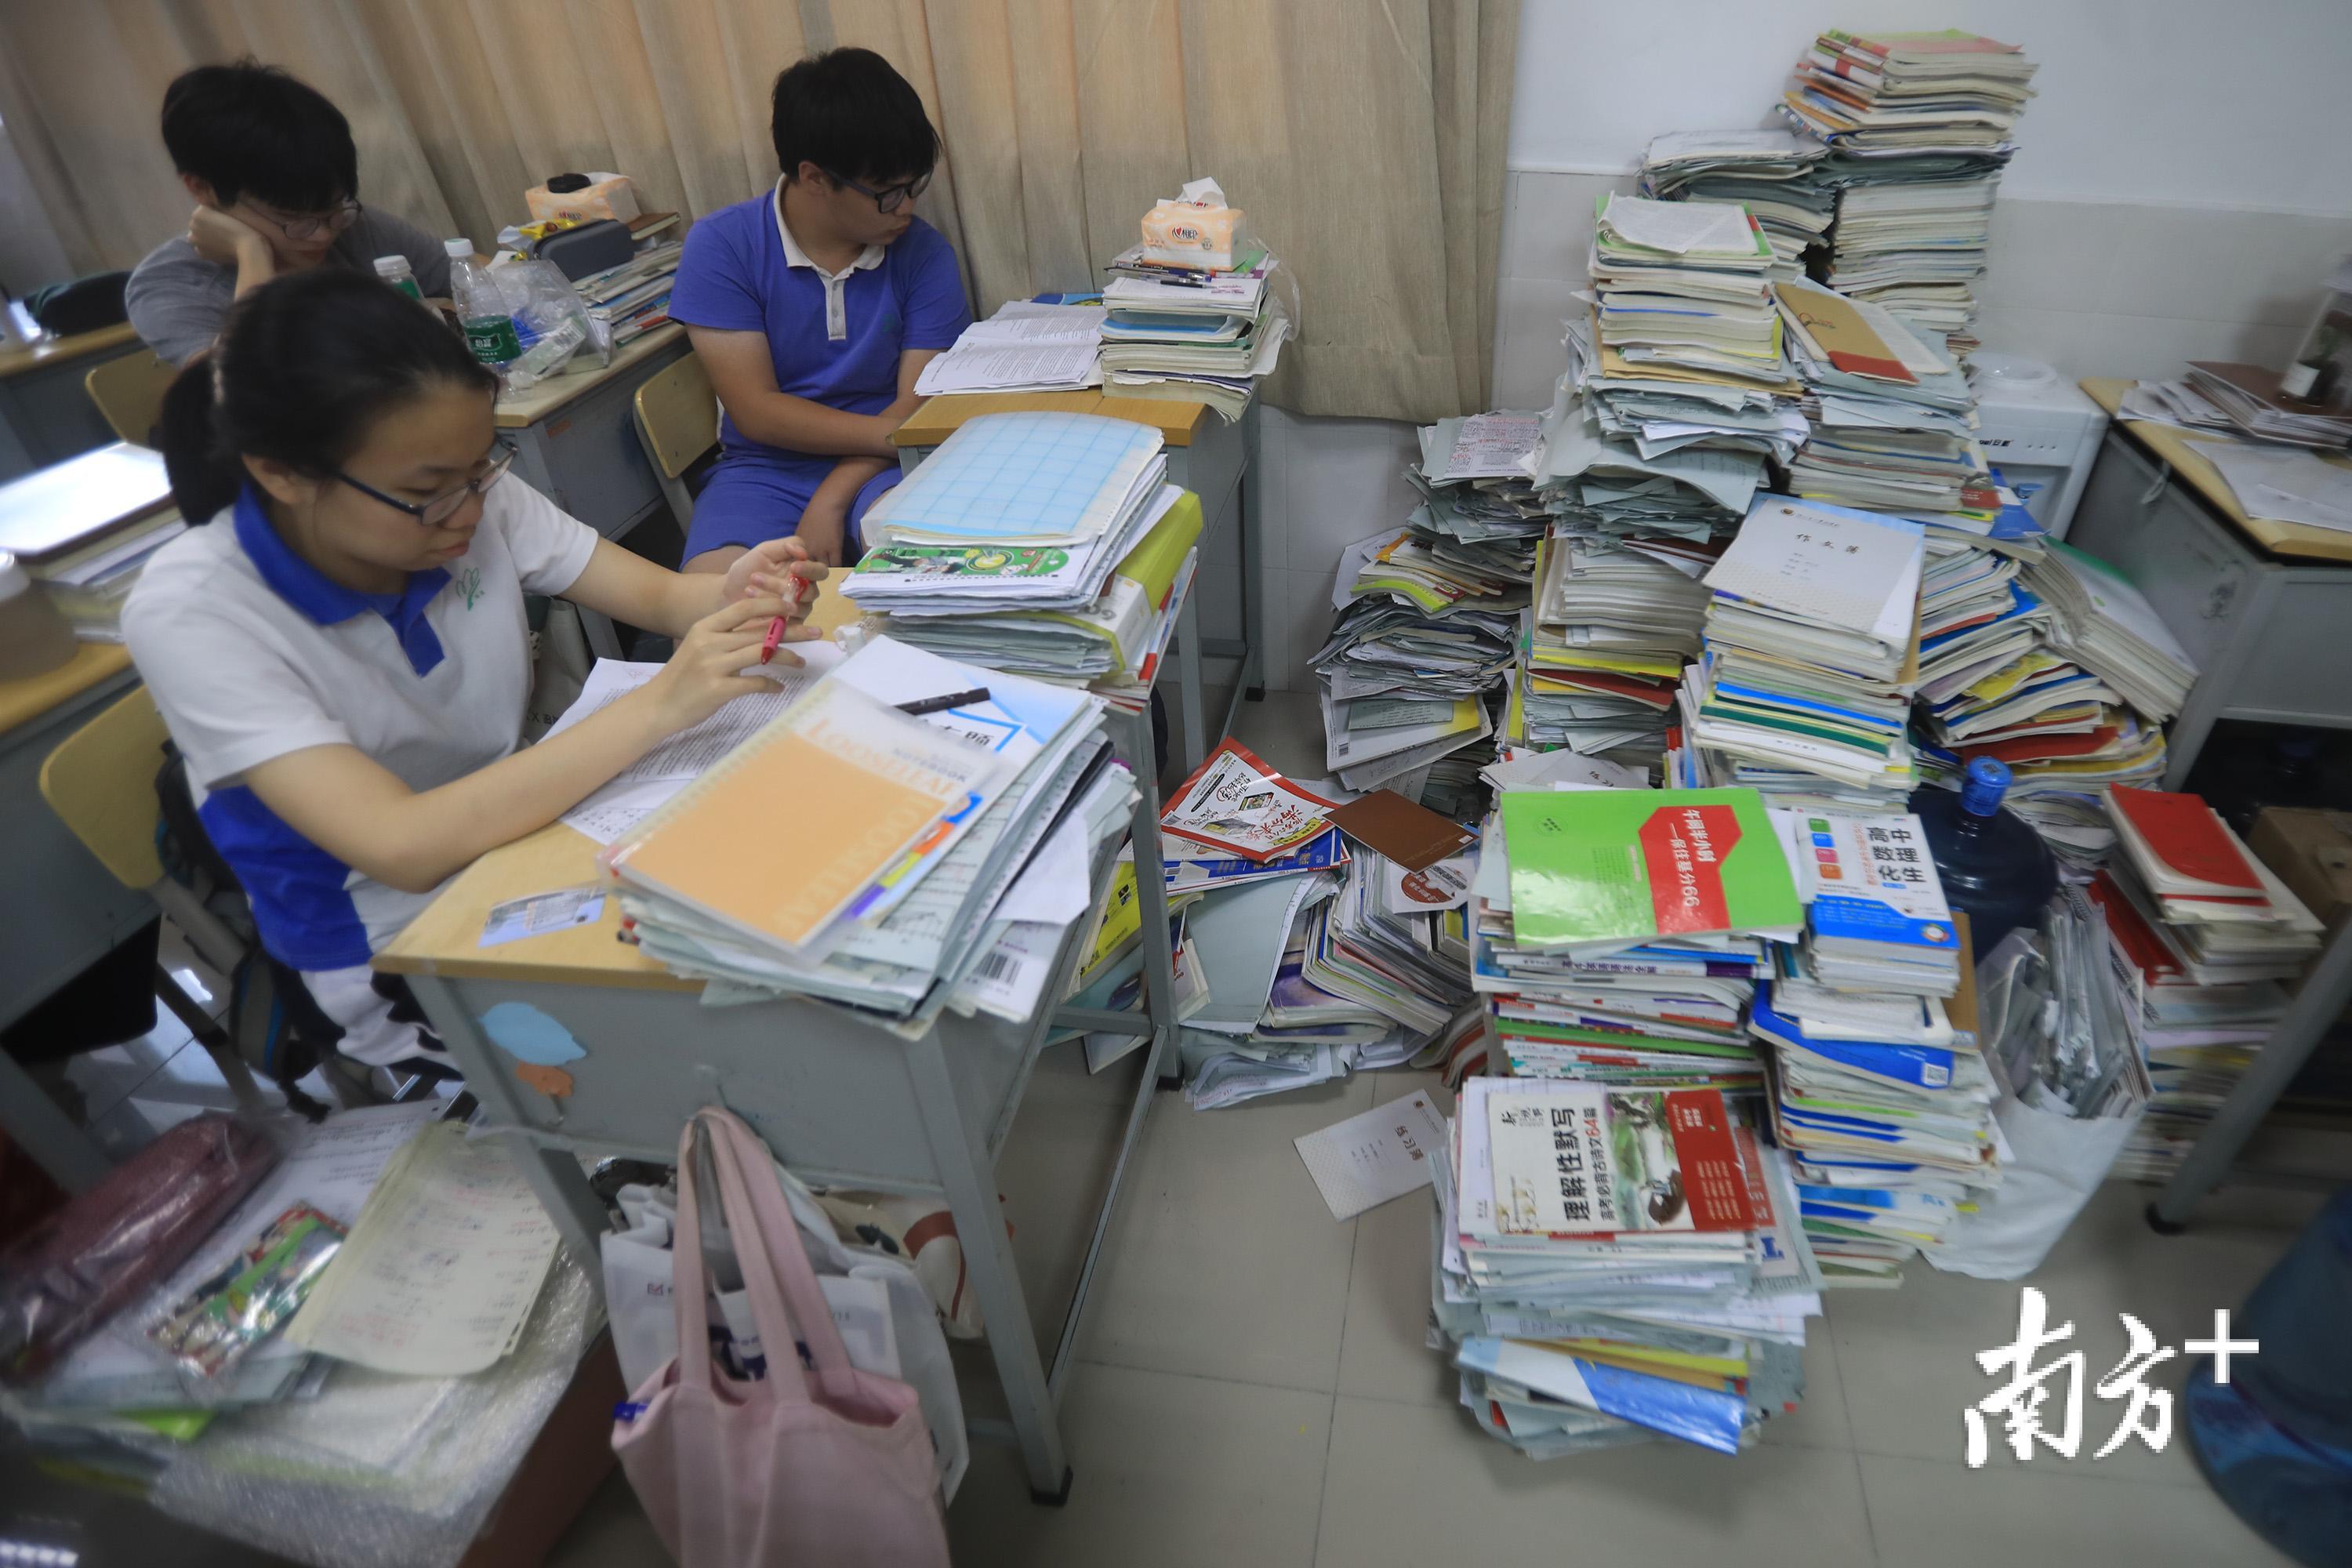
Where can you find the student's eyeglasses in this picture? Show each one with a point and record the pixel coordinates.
(890, 198)
(442, 508)
(315, 225)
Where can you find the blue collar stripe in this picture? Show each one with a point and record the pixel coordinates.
(329, 603)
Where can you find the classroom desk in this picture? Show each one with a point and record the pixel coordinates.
(1216, 462)
(841, 1103)
(46, 413)
(2260, 606)
(576, 443)
(72, 911)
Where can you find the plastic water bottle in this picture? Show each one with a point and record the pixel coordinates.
(396, 271)
(1992, 864)
(481, 307)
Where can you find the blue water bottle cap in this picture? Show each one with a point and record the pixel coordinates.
(1987, 782)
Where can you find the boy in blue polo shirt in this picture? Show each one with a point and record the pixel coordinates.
(814, 306)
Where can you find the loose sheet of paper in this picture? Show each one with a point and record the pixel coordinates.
(440, 1270)
(2285, 487)
(536, 914)
(987, 366)
(1680, 228)
(1493, 446)
(1384, 1153)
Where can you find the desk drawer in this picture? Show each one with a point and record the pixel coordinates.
(2198, 574)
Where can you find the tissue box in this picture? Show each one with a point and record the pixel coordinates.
(607, 195)
(1182, 232)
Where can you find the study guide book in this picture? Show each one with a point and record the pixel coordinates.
(1623, 866)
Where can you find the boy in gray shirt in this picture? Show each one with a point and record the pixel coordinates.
(275, 175)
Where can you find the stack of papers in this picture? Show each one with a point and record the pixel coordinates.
(1812, 659)
(1879, 1091)
(1077, 582)
(1768, 172)
(1024, 347)
(1683, 283)
(2203, 933)
(2104, 624)
(632, 299)
(2284, 486)
(1918, 126)
(977, 820)
(1193, 335)
(1618, 933)
(2251, 399)
(1618, 1266)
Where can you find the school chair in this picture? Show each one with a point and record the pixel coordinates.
(128, 391)
(100, 780)
(677, 422)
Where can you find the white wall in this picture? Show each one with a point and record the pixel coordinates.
(2183, 185)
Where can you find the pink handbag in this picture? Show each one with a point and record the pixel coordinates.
(826, 1465)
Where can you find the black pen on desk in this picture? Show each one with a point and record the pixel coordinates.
(941, 704)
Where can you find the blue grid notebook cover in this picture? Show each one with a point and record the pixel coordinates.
(1020, 477)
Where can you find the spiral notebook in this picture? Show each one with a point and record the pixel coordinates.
(786, 834)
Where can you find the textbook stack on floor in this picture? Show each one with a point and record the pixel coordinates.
(1615, 1266)
(1618, 933)
(1045, 545)
(1429, 614)
(1768, 172)
(1880, 1092)
(1804, 691)
(1918, 125)
(2203, 933)
(1320, 953)
(978, 821)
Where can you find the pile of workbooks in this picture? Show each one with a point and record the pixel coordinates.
(985, 806)
(1812, 653)
(1193, 333)
(1428, 615)
(632, 299)
(1618, 934)
(1879, 1091)
(1329, 936)
(1683, 283)
(1042, 544)
(1918, 126)
(1615, 1266)
(1770, 173)
(2204, 933)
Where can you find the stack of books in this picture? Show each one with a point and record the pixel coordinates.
(1893, 418)
(1683, 283)
(1618, 934)
(1602, 647)
(1618, 1266)
(1918, 125)
(1078, 581)
(1193, 334)
(2253, 402)
(1768, 172)
(1812, 653)
(632, 299)
(1026, 347)
(2099, 620)
(90, 585)
(1879, 1089)
(2203, 933)
(957, 808)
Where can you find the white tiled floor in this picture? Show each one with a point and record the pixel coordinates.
(1253, 1387)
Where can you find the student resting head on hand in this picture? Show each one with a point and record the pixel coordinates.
(814, 306)
(342, 653)
(275, 176)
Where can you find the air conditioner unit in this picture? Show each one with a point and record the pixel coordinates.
(2039, 431)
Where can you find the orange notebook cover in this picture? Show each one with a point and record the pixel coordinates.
(1833, 322)
(797, 822)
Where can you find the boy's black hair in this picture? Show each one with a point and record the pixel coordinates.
(251, 128)
(848, 111)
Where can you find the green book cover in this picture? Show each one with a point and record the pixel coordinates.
(1625, 865)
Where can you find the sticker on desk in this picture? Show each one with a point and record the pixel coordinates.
(528, 1034)
(540, 914)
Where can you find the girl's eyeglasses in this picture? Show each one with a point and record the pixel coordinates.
(442, 508)
(888, 200)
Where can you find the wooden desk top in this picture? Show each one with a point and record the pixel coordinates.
(2293, 540)
(517, 410)
(23, 701)
(61, 351)
(942, 417)
(446, 939)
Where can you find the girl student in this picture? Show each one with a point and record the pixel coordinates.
(342, 654)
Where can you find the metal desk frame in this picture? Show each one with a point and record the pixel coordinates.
(840, 1103)
(1221, 465)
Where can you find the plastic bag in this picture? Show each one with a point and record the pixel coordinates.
(907, 1345)
(550, 320)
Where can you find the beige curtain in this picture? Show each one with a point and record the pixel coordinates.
(1365, 137)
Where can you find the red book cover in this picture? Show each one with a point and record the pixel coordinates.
(2182, 832)
(2043, 748)
(2130, 932)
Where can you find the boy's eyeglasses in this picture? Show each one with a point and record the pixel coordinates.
(316, 224)
(442, 508)
(890, 198)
